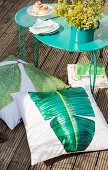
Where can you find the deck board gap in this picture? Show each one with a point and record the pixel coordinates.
(97, 159)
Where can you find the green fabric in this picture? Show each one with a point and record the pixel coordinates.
(42, 81)
(71, 114)
(10, 58)
(82, 69)
(10, 80)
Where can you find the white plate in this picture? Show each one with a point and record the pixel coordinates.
(44, 27)
(30, 11)
(53, 30)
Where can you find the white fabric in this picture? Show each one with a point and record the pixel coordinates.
(7, 62)
(9, 114)
(42, 140)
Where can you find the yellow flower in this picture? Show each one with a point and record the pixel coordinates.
(80, 13)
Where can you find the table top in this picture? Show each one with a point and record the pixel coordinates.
(62, 39)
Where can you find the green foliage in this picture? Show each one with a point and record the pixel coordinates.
(10, 79)
(70, 114)
(83, 69)
(10, 58)
(83, 14)
(42, 81)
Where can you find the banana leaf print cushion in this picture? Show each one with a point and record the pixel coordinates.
(18, 76)
(61, 122)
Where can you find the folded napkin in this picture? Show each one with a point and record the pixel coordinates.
(41, 26)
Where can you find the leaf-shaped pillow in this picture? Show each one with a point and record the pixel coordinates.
(61, 122)
(19, 76)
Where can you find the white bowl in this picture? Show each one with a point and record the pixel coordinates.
(31, 9)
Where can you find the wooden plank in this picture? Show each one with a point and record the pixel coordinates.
(23, 153)
(44, 51)
(1, 2)
(7, 38)
(13, 48)
(105, 59)
(86, 161)
(3, 126)
(102, 163)
(61, 71)
(4, 8)
(43, 165)
(11, 28)
(8, 19)
(52, 61)
(102, 102)
(64, 162)
(8, 148)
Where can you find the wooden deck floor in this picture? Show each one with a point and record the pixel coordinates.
(14, 154)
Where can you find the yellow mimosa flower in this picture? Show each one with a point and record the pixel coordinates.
(80, 13)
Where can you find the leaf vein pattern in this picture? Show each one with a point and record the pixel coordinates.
(70, 116)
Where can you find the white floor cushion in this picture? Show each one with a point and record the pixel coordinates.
(61, 122)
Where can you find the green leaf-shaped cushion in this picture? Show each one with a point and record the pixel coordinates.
(19, 76)
(71, 116)
(10, 80)
(42, 81)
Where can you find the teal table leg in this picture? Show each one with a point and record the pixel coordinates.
(101, 53)
(35, 51)
(21, 42)
(93, 61)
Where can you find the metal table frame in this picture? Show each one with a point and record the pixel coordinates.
(59, 40)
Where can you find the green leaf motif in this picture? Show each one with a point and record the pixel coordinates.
(10, 58)
(42, 81)
(10, 80)
(71, 116)
(82, 69)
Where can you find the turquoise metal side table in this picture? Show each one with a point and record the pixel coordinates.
(63, 39)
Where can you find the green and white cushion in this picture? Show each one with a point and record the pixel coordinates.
(61, 122)
(19, 76)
